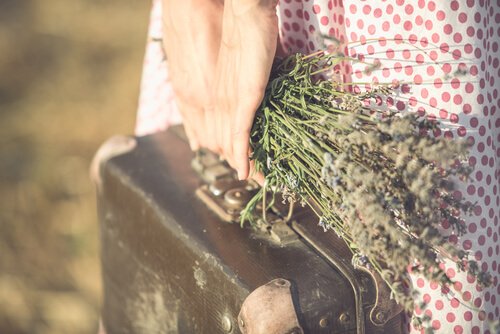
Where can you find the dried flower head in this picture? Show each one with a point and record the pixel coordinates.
(373, 177)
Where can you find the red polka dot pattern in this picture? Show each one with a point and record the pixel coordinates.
(447, 52)
(444, 57)
(157, 109)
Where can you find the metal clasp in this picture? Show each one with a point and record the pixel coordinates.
(227, 196)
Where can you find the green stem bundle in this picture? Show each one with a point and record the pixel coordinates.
(373, 174)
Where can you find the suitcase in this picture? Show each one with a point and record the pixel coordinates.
(171, 262)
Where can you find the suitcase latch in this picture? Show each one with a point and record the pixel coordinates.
(226, 196)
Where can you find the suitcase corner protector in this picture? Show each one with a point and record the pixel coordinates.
(114, 146)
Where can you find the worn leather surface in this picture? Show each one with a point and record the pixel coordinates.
(170, 265)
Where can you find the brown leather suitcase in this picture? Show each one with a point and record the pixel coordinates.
(171, 264)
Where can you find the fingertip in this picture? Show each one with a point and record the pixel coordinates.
(242, 166)
(191, 137)
(241, 127)
(242, 175)
(240, 157)
(193, 144)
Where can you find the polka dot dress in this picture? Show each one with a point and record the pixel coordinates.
(444, 56)
(157, 109)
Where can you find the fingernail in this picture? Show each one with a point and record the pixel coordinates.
(240, 176)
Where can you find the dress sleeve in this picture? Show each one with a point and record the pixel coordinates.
(157, 109)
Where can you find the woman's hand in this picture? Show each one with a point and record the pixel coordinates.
(191, 40)
(248, 47)
(220, 57)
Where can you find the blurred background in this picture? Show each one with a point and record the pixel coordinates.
(69, 79)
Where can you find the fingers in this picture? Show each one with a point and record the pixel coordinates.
(221, 131)
(248, 46)
(210, 131)
(242, 125)
(227, 144)
(240, 157)
(234, 122)
(230, 51)
(192, 138)
(197, 131)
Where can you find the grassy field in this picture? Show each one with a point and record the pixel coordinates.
(69, 78)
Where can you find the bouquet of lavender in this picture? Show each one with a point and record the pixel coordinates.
(368, 172)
